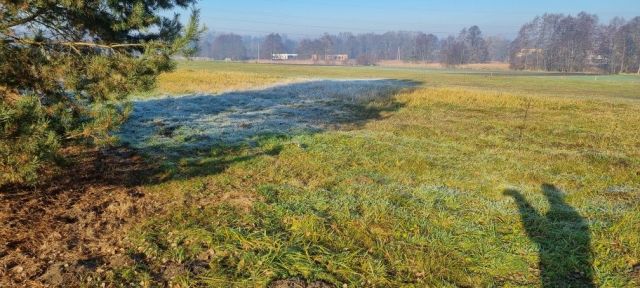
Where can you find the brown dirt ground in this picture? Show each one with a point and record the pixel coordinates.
(57, 232)
(636, 272)
(72, 226)
(298, 283)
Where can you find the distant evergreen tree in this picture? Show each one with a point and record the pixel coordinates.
(229, 46)
(476, 45)
(66, 66)
(271, 45)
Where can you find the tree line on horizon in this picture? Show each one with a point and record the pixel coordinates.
(557, 42)
(551, 42)
(469, 46)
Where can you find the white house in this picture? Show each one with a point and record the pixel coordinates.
(283, 56)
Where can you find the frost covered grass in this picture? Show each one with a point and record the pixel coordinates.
(234, 117)
(474, 182)
(175, 126)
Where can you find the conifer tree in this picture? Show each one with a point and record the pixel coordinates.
(67, 67)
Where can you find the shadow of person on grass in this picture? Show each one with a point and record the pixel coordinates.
(562, 237)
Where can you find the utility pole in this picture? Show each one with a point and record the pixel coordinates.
(398, 53)
(258, 53)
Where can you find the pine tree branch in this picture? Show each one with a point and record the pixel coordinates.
(22, 21)
(15, 39)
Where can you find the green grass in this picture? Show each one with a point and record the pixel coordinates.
(416, 197)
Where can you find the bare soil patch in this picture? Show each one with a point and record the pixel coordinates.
(299, 283)
(57, 232)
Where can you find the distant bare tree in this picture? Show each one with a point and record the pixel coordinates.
(468, 47)
(572, 43)
(462, 45)
(327, 43)
(452, 51)
(520, 47)
(605, 44)
(627, 47)
(348, 44)
(498, 48)
(425, 47)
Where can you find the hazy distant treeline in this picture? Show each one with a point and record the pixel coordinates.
(555, 42)
(470, 46)
(552, 42)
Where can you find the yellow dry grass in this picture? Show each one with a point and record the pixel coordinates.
(493, 66)
(184, 81)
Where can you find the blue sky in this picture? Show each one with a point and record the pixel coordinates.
(309, 18)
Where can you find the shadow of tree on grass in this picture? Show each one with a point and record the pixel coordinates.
(204, 134)
(562, 237)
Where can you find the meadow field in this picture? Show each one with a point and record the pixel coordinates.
(445, 178)
(186, 143)
(312, 176)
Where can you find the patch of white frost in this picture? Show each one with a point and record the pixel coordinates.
(194, 121)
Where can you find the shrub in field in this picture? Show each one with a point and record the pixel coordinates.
(65, 67)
